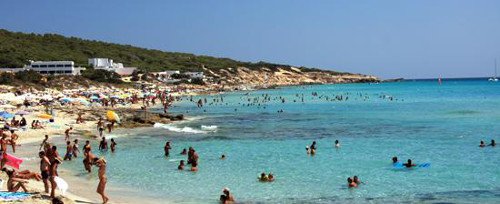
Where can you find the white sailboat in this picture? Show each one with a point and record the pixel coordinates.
(494, 78)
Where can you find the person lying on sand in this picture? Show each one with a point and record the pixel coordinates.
(26, 174)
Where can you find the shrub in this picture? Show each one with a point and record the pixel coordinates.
(6, 78)
(29, 76)
(100, 75)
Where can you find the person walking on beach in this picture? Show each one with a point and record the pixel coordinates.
(53, 174)
(44, 170)
(13, 139)
(101, 163)
(44, 142)
(66, 133)
(69, 151)
(100, 126)
(167, 149)
(113, 145)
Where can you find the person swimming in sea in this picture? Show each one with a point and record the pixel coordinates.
(263, 177)
(313, 147)
(226, 197)
(223, 157)
(356, 180)
(337, 144)
(351, 183)
(394, 160)
(270, 177)
(409, 164)
(181, 165)
(493, 143)
(184, 151)
(481, 144)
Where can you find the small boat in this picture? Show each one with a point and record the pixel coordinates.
(494, 78)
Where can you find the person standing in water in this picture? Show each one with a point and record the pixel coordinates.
(493, 143)
(66, 133)
(103, 145)
(167, 149)
(226, 197)
(409, 164)
(312, 148)
(69, 151)
(337, 144)
(113, 145)
(101, 187)
(44, 142)
(76, 151)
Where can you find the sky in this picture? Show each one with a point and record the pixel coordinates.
(388, 39)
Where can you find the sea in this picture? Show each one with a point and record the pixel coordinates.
(267, 131)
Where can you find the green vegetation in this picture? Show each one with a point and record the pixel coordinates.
(100, 75)
(17, 48)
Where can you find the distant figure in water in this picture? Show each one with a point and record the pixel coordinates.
(113, 145)
(351, 183)
(481, 144)
(409, 164)
(167, 149)
(226, 197)
(270, 177)
(493, 143)
(313, 147)
(184, 151)
(308, 150)
(337, 144)
(69, 151)
(356, 180)
(394, 160)
(103, 145)
(181, 165)
(263, 177)
(223, 157)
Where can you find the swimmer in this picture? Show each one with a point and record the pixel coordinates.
(226, 197)
(223, 157)
(409, 164)
(167, 149)
(308, 150)
(351, 183)
(184, 151)
(337, 144)
(313, 147)
(181, 165)
(394, 160)
(356, 180)
(493, 143)
(270, 177)
(263, 177)
(481, 144)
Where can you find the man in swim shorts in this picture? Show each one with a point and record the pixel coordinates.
(44, 170)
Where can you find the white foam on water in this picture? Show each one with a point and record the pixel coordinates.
(204, 129)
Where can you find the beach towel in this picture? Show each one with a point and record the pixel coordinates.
(13, 161)
(11, 196)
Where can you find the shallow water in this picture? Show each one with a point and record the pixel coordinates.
(427, 122)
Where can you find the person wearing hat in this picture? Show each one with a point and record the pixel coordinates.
(226, 197)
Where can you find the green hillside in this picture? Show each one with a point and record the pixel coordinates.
(17, 48)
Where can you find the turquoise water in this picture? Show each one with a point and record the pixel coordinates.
(427, 122)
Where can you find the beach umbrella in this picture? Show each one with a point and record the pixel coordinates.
(67, 100)
(6, 115)
(45, 116)
(112, 116)
(22, 112)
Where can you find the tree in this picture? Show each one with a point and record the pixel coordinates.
(6, 78)
(29, 76)
(101, 75)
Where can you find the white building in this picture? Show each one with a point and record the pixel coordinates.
(194, 75)
(54, 67)
(109, 65)
(165, 74)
